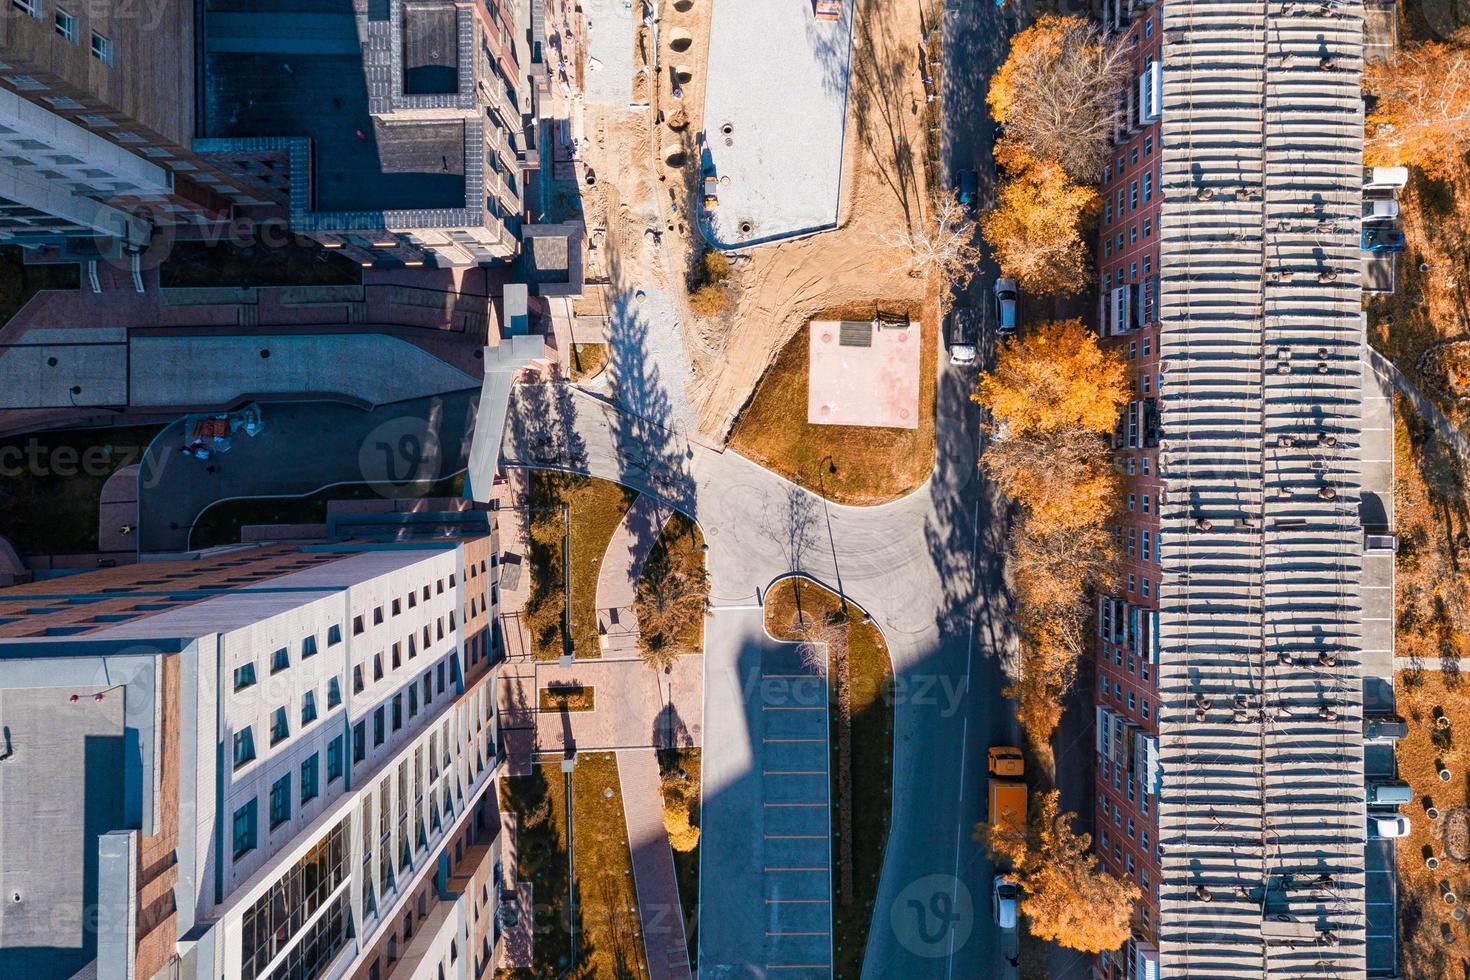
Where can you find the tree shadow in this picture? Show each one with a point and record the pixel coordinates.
(885, 112)
(669, 730)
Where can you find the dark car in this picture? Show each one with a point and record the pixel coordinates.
(969, 189)
(1379, 238)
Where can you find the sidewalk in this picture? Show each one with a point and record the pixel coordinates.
(617, 577)
(664, 940)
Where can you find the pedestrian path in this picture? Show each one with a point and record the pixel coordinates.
(617, 576)
(664, 940)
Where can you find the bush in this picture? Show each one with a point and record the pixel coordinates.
(714, 267)
(709, 300)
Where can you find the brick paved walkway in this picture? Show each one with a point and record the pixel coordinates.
(617, 577)
(664, 939)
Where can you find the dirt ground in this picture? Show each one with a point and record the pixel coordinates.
(1433, 944)
(647, 181)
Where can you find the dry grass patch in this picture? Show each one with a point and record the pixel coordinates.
(588, 360)
(1433, 944)
(867, 465)
(861, 752)
(680, 779)
(567, 698)
(611, 941)
(594, 509)
(539, 802)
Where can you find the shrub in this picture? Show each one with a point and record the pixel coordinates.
(709, 300)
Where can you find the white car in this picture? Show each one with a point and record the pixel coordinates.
(1390, 826)
(1007, 297)
(1380, 208)
(1007, 895)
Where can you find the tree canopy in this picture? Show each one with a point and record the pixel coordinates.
(1422, 113)
(1035, 227)
(1054, 377)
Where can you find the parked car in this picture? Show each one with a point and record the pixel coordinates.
(1382, 792)
(1385, 728)
(1384, 178)
(1396, 825)
(1007, 301)
(1006, 894)
(961, 334)
(1382, 238)
(1380, 208)
(969, 189)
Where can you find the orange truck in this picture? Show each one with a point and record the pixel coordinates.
(1007, 809)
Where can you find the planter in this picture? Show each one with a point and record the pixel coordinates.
(1432, 863)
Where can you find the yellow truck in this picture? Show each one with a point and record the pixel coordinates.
(1007, 808)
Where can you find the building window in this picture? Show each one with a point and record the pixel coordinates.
(1107, 172)
(308, 647)
(1131, 582)
(359, 741)
(413, 703)
(280, 727)
(357, 626)
(280, 801)
(1107, 212)
(66, 25)
(245, 676)
(1145, 586)
(378, 727)
(1148, 27)
(397, 606)
(101, 48)
(309, 779)
(439, 680)
(32, 7)
(280, 660)
(334, 693)
(377, 666)
(334, 634)
(1148, 145)
(377, 615)
(244, 747)
(398, 711)
(334, 758)
(357, 684)
(1133, 155)
(308, 708)
(244, 830)
(1148, 227)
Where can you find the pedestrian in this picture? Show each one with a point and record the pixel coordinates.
(361, 135)
(126, 529)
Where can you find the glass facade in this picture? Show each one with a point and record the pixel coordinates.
(275, 922)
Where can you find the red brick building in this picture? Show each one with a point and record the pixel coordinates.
(1127, 677)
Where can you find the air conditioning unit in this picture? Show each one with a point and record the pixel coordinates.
(1381, 543)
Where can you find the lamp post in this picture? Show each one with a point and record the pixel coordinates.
(831, 539)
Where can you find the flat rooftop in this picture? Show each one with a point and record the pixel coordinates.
(295, 68)
(863, 374)
(430, 49)
(775, 110)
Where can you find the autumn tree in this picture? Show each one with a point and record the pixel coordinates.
(1035, 227)
(672, 594)
(1063, 477)
(942, 244)
(1055, 376)
(681, 802)
(1066, 896)
(1422, 113)
(1057, 92)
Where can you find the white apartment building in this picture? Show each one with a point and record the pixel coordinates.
(309, 741)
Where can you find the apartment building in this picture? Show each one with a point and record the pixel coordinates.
(267, 762)
(399, 134)
(1230, 664)
(96, 118)
(1127, 662)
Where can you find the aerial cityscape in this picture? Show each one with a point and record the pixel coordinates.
(734, 489)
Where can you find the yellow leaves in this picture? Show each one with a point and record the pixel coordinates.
(1054, 377)
(1422, 114)
(1037, 45)
(1035, 227)
(1067, 898)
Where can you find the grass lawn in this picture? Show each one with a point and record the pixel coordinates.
(686, 863)
(1430, 307)
(19, 282)
(596, 508)
(50, 484)
(539, 802)
(285, 261)
(610, 943)
(871, 464)
(569, 698)
(871, 760)
(221, 522)
(588, 360)
(1432, 945)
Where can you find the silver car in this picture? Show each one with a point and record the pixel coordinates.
(1007, 300)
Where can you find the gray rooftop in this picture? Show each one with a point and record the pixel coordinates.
(1261, 816)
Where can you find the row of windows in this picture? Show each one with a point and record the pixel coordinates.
(396, 607)
(1132, 158)
(1118, 692)
(280, 725)
(381, 715)
(1115, 243)
(245, 831)
(245, 675)
(66, 26)
(410, 643)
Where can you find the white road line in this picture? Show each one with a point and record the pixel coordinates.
(964, 742)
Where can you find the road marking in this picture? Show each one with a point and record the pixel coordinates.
(964, 737)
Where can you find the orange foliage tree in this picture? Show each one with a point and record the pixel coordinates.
(1422, 114)
(1066, 897)
(1035, 228)
(1054, 377)
(1057, 92)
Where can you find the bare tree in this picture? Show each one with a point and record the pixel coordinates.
(944, 244)
(1060, 91)
(673, 593)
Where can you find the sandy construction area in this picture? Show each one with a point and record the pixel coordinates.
(646, 166)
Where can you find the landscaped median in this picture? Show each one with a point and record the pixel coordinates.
(586, 511)
(860, 681)
(586, 910)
